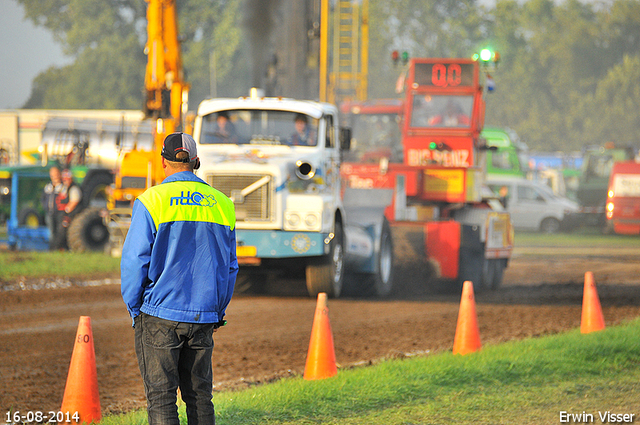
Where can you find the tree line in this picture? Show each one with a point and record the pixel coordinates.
(569, 74)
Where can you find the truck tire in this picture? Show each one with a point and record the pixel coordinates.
(488, 272)
(251, 282)
(326, 274)
(471, 260)
(383, 278)
(501, 264)
(380, 282)
(87, 232)
(29, 217)
(492, 273)
(471, 268)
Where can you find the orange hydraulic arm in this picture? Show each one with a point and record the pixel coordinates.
(166, 90)
(166, 102)
(164, 80)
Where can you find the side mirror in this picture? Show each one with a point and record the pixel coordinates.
(345, 138)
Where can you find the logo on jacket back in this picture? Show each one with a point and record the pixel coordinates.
(193, 198)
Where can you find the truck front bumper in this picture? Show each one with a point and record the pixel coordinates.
(256, 244)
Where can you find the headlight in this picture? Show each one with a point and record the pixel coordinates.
(4, 190)
(293, 220)
(311, 221)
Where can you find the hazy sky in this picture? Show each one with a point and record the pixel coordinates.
(25, 51)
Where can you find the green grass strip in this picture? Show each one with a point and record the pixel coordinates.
(30, 264)
(522, 382)
(580, 238)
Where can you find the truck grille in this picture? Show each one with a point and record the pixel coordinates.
(252, 207)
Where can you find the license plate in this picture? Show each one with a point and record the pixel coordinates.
(246, 251)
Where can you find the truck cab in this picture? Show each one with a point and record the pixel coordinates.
(623, 198)
(436, 171)
(279, 162)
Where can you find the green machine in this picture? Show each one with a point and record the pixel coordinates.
(508, 156)
(594, 180)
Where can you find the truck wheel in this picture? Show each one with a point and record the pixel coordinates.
(87, 232)
(471, 259)
(471, 268)
(488, 273)
(500, 265)
(326, 274)
(250, 282)
(29, 217)
(383, 279)
(492, 273)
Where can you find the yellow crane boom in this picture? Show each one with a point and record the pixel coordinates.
(166, 102)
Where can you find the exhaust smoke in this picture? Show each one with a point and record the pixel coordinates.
(259, 21)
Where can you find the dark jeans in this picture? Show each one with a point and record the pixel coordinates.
(171, 355)
(58, 237)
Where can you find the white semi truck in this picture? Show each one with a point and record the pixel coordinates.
(279, 161)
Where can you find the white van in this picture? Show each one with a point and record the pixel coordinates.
(534, 206)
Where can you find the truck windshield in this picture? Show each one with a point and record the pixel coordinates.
(374, 136)
(259, 127)
(441, 111)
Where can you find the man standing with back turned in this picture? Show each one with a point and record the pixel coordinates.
(178, 271)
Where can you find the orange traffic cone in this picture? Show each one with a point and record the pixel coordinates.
(592, 319)
(81, 402)
(321, 359)
(467, 339)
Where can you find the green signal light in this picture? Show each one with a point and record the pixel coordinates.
(485, 55)
(433, 145)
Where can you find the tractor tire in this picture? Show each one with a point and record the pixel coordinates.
(326, 274)
(29, 217)
(87, 232)
(93, 190)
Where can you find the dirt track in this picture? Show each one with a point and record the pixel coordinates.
(268, 336)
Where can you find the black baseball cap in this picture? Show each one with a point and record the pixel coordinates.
(179, 142)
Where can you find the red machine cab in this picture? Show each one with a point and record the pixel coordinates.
(623, 198)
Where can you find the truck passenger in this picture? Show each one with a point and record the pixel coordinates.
(303, 135)
(452, 116)
(225, 130)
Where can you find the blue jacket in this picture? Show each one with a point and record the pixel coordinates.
(179, 257)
